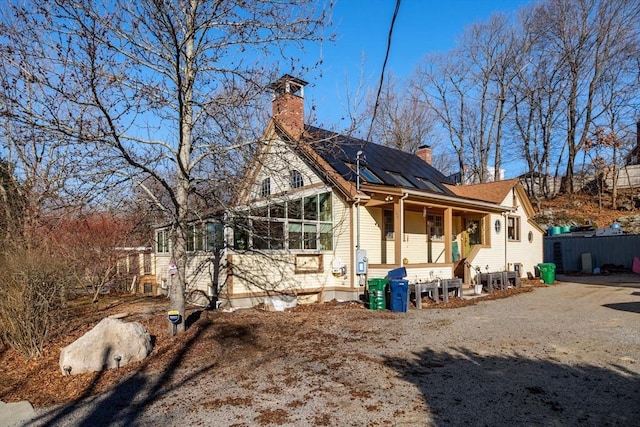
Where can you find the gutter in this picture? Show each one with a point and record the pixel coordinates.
(457, 199)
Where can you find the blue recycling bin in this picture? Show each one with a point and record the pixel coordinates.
(399, 298)
(397, 273)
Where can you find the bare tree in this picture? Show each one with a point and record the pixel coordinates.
(154, 89)
(469, 88)
(442, 84)
(586, 37)
(403, 121)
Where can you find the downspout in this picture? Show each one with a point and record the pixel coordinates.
(358, 278)
(506, 234)
(402, 228)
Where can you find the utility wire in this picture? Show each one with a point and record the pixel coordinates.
(384, 66)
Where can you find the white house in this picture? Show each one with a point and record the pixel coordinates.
(304, 219)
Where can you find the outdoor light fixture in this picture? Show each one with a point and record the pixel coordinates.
(67, 369)
(117, 359)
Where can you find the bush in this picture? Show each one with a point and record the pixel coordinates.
(32, 298)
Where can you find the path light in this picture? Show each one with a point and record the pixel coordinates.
(67, 369)
(117, 359)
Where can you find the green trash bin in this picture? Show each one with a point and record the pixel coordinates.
(547, 272)
(377, 289)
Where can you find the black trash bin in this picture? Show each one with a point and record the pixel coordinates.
(399, 298)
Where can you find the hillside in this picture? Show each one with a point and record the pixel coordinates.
(583, 209)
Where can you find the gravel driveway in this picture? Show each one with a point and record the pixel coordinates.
(562, 355)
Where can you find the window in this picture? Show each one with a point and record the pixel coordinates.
(369, 176)
(265, 188)
(531, 237)
(162, 241)
(195, 238)
(241, 234)
(324, 203)
(296, 180)
(215, 236)
(134, 264)
(435, 226)
(146, 263)
(326, 237)
(295, 235)
(268, 234)
(430, 185)
(400, 179)
(388, 227)
(299, 224)
(498, 226)
(294, 209)
(310, 236)
(277, 210)
(311, 208)
(513, 228)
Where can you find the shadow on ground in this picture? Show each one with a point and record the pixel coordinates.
(624, 280)
(126, 402)
(465, 388)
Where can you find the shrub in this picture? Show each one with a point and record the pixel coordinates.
(32, 298)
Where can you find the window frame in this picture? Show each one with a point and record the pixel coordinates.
(195, 238)
(265, 187)
(430, 185)
(296, 180)
(307, 225)
(400, 179)
(513, 228)
(369, 176)
(435, 222)
(388, 225)
(162, 242)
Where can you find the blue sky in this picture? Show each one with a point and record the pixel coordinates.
(362, 28)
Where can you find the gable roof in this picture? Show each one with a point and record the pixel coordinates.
(493, 192)
(392, 167)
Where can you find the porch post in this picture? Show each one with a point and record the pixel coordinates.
(397, 231)
(448, 234)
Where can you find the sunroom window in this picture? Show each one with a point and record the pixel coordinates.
(298, 224)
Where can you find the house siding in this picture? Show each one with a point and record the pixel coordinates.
(202, 277)
(281, 160)
(371, 234)
(496, 258)
(256, 275)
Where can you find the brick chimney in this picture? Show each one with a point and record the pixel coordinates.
(288, 104)
(424, 152)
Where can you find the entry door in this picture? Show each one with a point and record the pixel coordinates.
(471, 235)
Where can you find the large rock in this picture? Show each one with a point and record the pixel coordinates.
(16, 414)
(630, 224)
(99, 349)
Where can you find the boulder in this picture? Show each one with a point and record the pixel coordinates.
(110, 344)
(16, 413)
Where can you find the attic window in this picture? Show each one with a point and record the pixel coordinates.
(296, 180)
(265, 188)
(400, 179)
(430, 185)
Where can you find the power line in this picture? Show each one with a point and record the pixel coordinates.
(384, 66)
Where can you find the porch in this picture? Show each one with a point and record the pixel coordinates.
(432, 240)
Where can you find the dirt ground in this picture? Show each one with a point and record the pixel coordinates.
(566, 354)
(23, 379)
